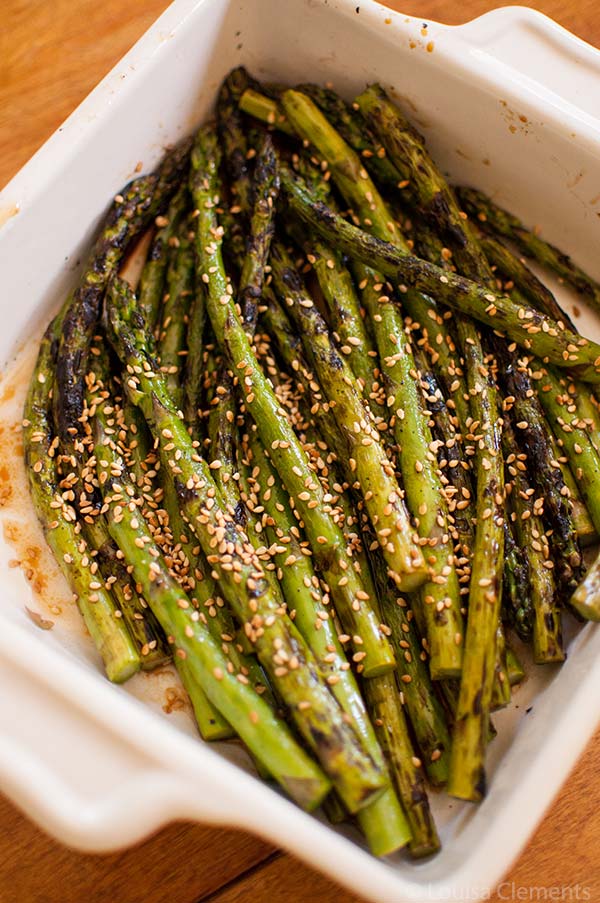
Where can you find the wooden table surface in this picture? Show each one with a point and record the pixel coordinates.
(51, 56)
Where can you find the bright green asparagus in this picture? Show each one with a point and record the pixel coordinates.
(440, 595)
(373, 470)
(240, 574)
(532, 330)
(287, 454)
(266, 735)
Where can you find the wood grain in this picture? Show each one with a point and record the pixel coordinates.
(52, 55)
(187, 861)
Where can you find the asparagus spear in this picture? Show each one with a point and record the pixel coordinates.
(143, 627)
(585, 531)
(337, 285)
(407, 151)
(517, 606)
(499, 221)
(525, 280)
(467, 775)
(435, 326)
(383, 822)
(127, 217)
(173, 317)
(433, 196)
(390, 724)
(265, 109)
(514, 669)
(280, 648)
(536, 332)
(265, 189)
(295, 572)
(535, 436)
(223, 443)
(470, 732)
(136, 451)
(58, 519)
(454, 466)
(152, 281)
(541, 297)
(203, 594)
(440, 595)
(141, 624)
(352, 129)
(573, 437)
(529, 285)
(430, 246)
(439, 598)
(343, 304)
(196, 579)
(373, 470)
(424, 710)
(204, 589)
(587, 408)
(416, 694)
(345, 120)
(194, 362)
(262, 228)
(268, 738)
(287, 453)
(349, 174)
(416, 686)
(585, 462)
(233, 138)
(471, 729)
(441, 348)
(546, 625)
(290, 351)
(222, 438)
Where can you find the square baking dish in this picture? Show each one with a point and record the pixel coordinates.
(509, 103)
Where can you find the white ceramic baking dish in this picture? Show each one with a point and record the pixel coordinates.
(508, 102)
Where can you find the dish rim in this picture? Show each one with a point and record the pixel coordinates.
(171, 802)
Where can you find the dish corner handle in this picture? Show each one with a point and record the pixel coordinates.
(94, 783)
(528, 49)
